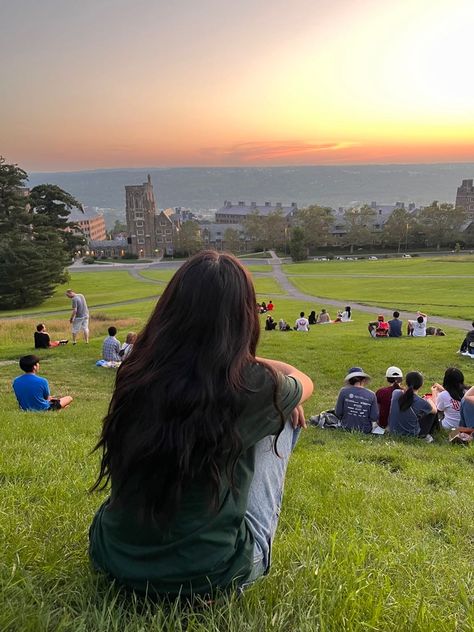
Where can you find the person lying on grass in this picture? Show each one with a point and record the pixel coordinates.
(189, 444)
(32, 391)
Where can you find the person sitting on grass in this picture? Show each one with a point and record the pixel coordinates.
(43, 339)
(270, 324)
(111, 346)
(283, 325)
(302, 323)
(417, 328)
(356, 405)
(127, 346)
(434, 331)
(395, 326)
(394, 377)
(467, 411)
(32, 391)
(467, 345)
(270, 306)
(346, 315)
(189, 444)
(312, 318)
(449, 396)
(411, 414)
(323, 317)
(379, 328)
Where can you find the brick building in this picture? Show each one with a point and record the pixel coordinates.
(90, 223)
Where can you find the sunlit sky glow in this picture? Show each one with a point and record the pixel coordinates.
(131, 83)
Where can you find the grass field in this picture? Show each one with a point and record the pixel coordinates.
(375, 533)
(437, 287)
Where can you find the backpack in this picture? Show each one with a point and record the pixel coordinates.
(325, 419)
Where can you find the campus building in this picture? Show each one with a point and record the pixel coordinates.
(149, 234)
(236, 213)
(465, 197)
(90, 223)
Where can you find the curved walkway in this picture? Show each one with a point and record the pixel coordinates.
(286, 284)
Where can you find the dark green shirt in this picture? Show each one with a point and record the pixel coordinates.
(201, 549)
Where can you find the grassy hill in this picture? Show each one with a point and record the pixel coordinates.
(375, 533)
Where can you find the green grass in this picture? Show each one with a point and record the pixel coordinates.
(375, 533)
(416, 266)
(441, 297)
(99, 288)
(263, 285)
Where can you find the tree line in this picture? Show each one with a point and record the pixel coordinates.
(37, 241)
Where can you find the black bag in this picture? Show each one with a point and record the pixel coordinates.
(325, 419)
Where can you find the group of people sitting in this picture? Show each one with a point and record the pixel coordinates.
(302, 323)
(112, 350)
(417, 328)
(263, 307)
(401, 410)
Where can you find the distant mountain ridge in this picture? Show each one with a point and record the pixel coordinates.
(208, 188)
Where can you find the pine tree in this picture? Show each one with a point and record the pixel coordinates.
(34, 247)
(298, 249)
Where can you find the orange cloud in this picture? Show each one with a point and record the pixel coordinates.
(272, 151)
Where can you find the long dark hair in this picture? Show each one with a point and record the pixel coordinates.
(172, 417)
(414, 381)
(453, 382)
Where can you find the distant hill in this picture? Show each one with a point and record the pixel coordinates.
(205, 188)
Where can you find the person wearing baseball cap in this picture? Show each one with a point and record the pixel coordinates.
(394, 377)
(356, 405)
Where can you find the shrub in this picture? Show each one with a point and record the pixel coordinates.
(88, 260)
(129, 255)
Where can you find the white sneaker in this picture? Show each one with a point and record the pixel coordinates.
(429, 438)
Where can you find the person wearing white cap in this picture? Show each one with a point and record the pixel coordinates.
(394, 377)
(356, 405)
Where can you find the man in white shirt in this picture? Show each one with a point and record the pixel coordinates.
(302, 323)
(417, 328)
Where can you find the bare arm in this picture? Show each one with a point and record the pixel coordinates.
(469, 395)
(287, 369)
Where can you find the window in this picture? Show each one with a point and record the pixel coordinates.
(138, 215)
(140, 231)
(140, 241)
(139, 223)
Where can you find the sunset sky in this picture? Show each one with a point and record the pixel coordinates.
(132, 83)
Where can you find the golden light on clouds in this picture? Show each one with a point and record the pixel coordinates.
(271, 83)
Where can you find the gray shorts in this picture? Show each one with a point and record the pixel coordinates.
(79, 324)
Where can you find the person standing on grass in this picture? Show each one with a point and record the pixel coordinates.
(189, 444)
(80, 315)
(32, 391)
(111, 346)
(411, 414)
(356, 405)
(394, 377)
(395, 326)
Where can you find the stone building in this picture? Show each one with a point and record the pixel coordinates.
(465, 197)
(149, 233)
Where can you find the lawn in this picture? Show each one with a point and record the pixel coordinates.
(375, 533)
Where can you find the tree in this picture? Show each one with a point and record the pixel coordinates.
(119, 227)
(274, 229)
(51, 207)
(34, 247)
(396, 229)
(232, 240)
(316, 223)
(255, 228)
(298, 249)
(441, 223)
(188, 238)
(359, 222)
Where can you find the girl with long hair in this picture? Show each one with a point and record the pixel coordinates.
(411, 414)
(449, 398)
(188, 442)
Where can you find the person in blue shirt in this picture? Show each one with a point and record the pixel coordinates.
(32, 391)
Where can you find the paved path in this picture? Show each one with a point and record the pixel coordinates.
(275, 271)
(286, 284)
